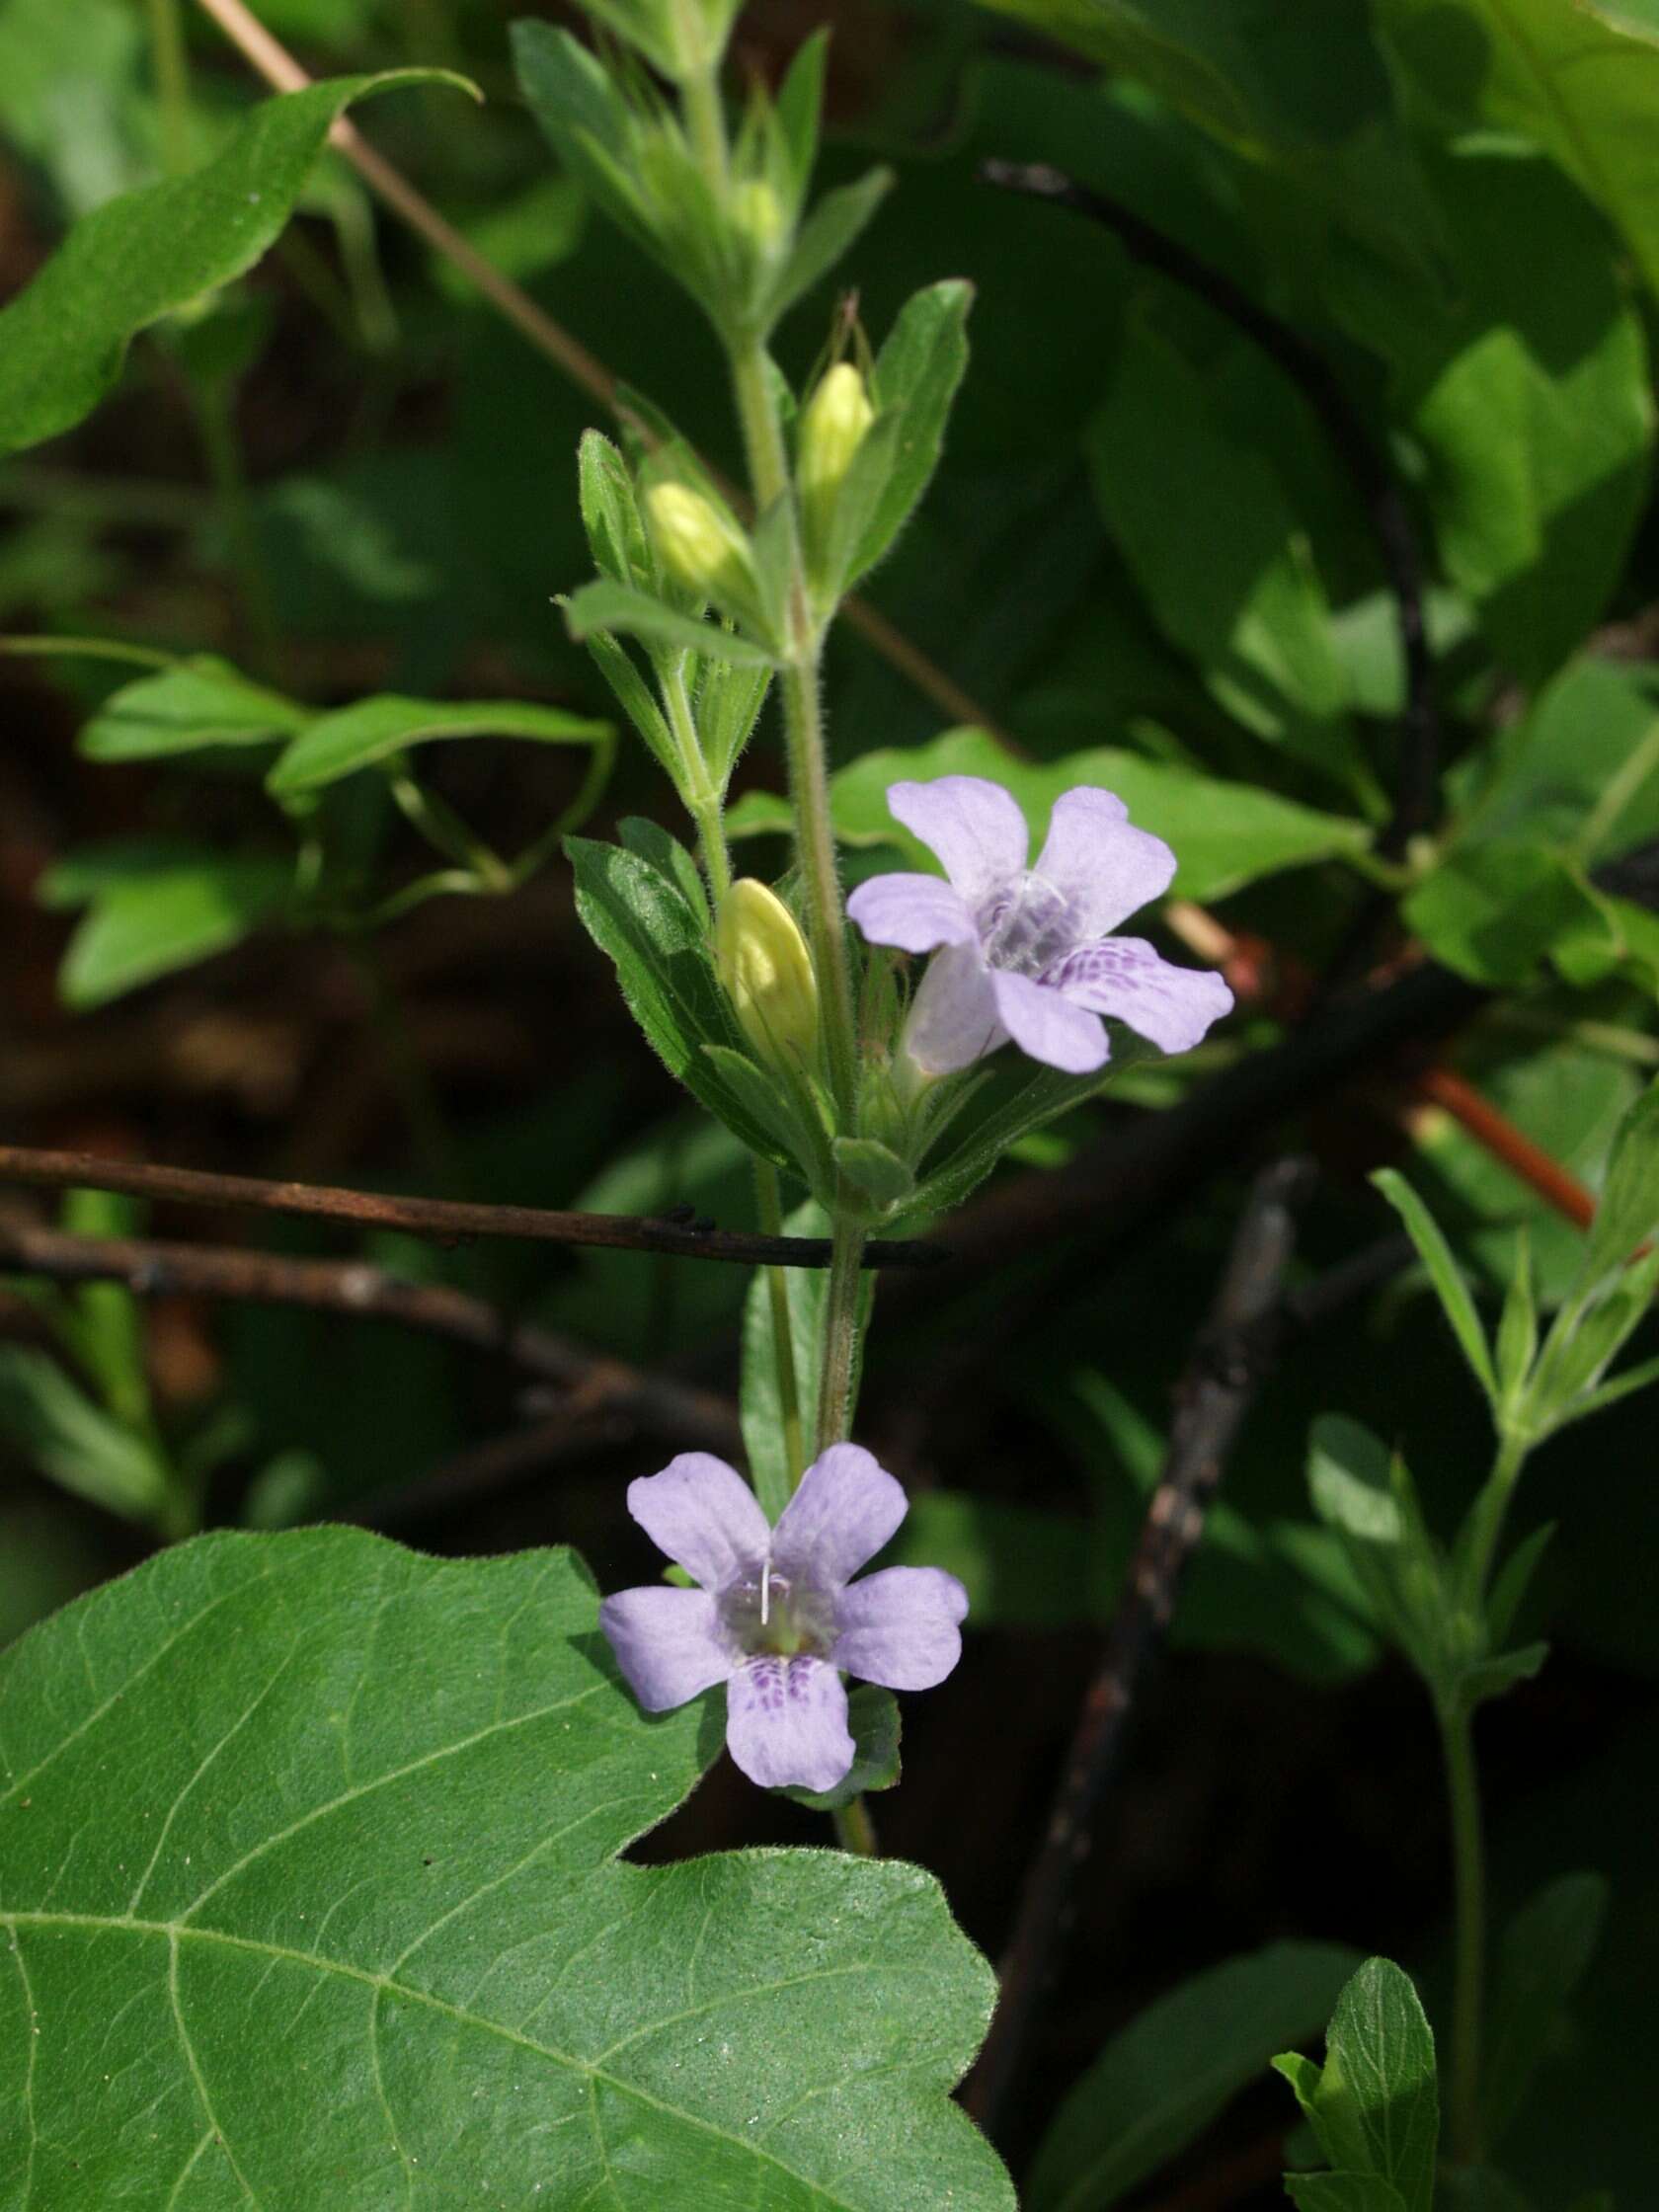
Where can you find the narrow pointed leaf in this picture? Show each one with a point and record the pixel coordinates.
(1450, 1288)
(128, 262)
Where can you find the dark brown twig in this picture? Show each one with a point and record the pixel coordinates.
(1311, 373)
(447, 1218)
(1228, 1365)
(594, 1383)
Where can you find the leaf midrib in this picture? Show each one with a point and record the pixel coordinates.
(173, 1932)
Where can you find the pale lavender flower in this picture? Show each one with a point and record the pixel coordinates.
(776, 1614)
(1028, 953)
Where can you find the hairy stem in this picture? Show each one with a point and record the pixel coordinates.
(843, 1330)
(1486, 1518)
(769, 1205)
(1468, 1868)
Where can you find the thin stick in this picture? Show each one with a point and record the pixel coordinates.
(1511, 1147)
(447, 1218)
(584, 369)
(1228, 1365)
(595, 1383)
(1311, 373)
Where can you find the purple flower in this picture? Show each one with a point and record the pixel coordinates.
(1028, 953)
(776, 1614)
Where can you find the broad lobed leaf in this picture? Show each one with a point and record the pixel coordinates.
(348, 1929)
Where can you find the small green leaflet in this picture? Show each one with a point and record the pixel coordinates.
(1224, 834)
(138, 258)
(156, 906)
(1374, 2105)
(1160, 2082)
(349, 1929)
(385, 727)
(202, 702)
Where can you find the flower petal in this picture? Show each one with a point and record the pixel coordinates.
(786, 1722)
(974, 826)
(1103, 868)
(953, 1019)
(899, 1627)
(704, 1516)
(667, 1643)
(845, 1509)
(1129, 978)
(1049, 1027)
(913, 912)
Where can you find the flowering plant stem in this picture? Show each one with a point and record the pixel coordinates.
(1463, 1788)
(1468, 1985)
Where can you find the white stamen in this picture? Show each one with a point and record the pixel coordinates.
(765, 1587)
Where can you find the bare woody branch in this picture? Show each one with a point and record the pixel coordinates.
(450, 1220)
(589, 1384)
(1228, 1362)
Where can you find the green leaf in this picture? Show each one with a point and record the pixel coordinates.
(1493, 911)
(1543, 1956)
(385, 727)
(1578, 773)
(878, 1174)
(1582, 82)
(1627, 1210)
(1018, 1097)
(1300, 87)
(1374, 2106)
(874, 1725)
(1530, 400)
(348, 1928)
(1342, 2193)
(63, 340)
(634, 696)
(1210, 535)
(1359, 1490)
(1223, 834)
(613, 606)
(1513, 1581)
(831, 228)
(1162, 2081)
(616, 535)
(1450, 1286)
(202, 702)
(1518, 1334)
(642, 921)
(157, 908)
(919, 371)
(62, 1434)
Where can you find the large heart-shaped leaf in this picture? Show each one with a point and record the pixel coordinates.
(136, 258)
(308, 1897)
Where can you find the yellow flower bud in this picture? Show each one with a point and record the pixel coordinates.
(833, 426)
(832, 429)
(698, 546)
(768, 973)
